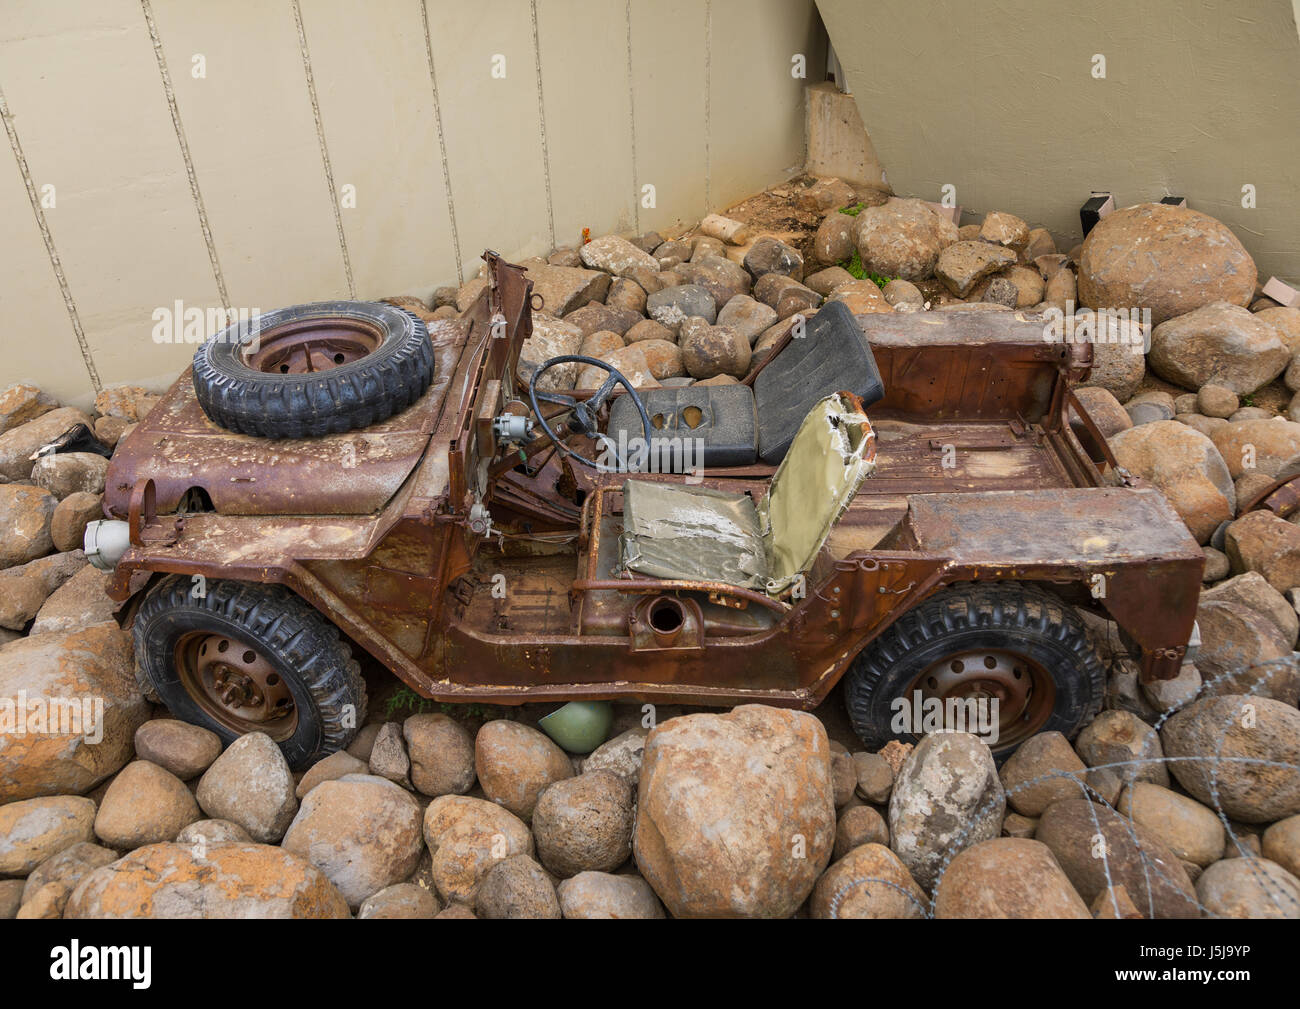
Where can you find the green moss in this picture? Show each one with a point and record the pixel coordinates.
(854, 210)
(854, 265)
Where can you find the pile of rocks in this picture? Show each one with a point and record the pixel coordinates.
(755, 812)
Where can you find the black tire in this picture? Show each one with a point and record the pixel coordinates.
(316, 665)
(1007, 617)
(351, 395)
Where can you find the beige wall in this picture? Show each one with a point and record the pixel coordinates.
(1199, 99)
(224, 190)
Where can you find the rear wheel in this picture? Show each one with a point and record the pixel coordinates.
(1004, 661)
(238, 658)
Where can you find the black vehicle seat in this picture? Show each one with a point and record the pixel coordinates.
(695, 427)
(833, 355)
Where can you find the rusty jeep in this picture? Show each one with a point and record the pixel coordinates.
(922, 509)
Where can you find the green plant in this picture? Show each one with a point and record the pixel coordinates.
(854, 210)
(854, 265)
(406, 698)
(1248, 399)
(463, 710)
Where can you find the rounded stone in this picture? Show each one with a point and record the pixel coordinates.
(584, 823)
(183, 749)
(515, 763)
(1007, 877)
(144, 804)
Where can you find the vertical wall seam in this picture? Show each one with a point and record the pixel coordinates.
(68, 303)
(708, 103)
(442, 143)
(631, 114)
(541, 121)
(195, 193)
(324, 149)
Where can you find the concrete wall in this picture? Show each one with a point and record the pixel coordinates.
(1198, 99)
(134, 181)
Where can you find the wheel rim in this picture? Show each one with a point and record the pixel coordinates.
(236, 685)
(1024, 690)
(307, 346)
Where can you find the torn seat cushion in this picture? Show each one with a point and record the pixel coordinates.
(692, 533)
(833, 355)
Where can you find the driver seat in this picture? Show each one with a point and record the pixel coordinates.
(684, 533)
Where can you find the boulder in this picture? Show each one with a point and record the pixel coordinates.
(69, 867)
(747, 317)
(603, 895)
(442, 754)
(515, 763)
(862, 297)
(517, 887)
(21, 403)
(1249, 888)
(1220, 343)
(735, 812)
(857, 826)
(183, 749)
(902, 238)
(1119, 365)
(1239, 754)
(648, 329)
(946, 797)
(622, 755)
(1191, 831)
(144, 804)
(875, 777)
(626, 294)
(584, 823)
(363, 832)
(708, 351)
(70, 518)
(722, 278)
(869, 882)
(466, 837)
(331, 768)
(663, 357)
(227, 881)
(32, 830)
(963, 265)
(402, 900)
(202, 833)
(70, 473)
(1254, 592)
(1125, 745)
(1260, 541)
(1171, 260)
(1006, 229)
(1258, 446)
(388, 758)
(771, 255)
(564, 288)
(833, 242)
(1043, 769)
(25, 589)
(1104, 410)
(1186, 467)
(80, 601)
(615, 255)
(1096, 848)
(25, 516)
(1007, 877)
(551, 337)
(19, 443)
(83, 707)
(251, 785)
(1281, 843)
(674, 305)
(825, 281)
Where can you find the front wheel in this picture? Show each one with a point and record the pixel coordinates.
(238, 658)
(1004, 661)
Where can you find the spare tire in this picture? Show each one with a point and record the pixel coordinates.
(312, 370)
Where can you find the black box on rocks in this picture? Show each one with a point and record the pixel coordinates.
(1175, 201)
(1097, 207)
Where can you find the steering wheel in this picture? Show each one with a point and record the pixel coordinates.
(584, 420)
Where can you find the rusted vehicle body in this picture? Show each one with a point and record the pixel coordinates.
(477, 567)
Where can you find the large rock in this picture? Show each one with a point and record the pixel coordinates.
(747, 317)
(551, 337)
(144, 804)
(515, 763)
(1236, 639)
(363, 832)
(771, 255)
(1258, 446)
(517, 887)
(584, 823)
(1007, 877)
(226, 881)
(862, 297)
(402, 900)
(1098, 848)
(869, 882)
(1171, 260)
(1219, 343)
(1043, 769)
(947, 797)
(33, 830)
(1260, 541)
(69, 867)
(1124, 745)
(183, 749)
(963, 265)
(603, 895)
(722, 278)
(709, 351)
(833, 242)
(466, 837)
(251, 785)
(21, 403)
(83, 708)
(1119, 365)
(735, 812)
(1252, 590)
(18, 443)
(1186, 467)
(565, 288)
(623, 755)
(71, 516)
(78, 602)
(1249, 888)
(615, 255)
(674, 305)
(1191, 831)
(68, 473)
(442, 754)
(26, 588)
(25, 516)
(1239, 754)
(903, 238)
(1281, 843)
